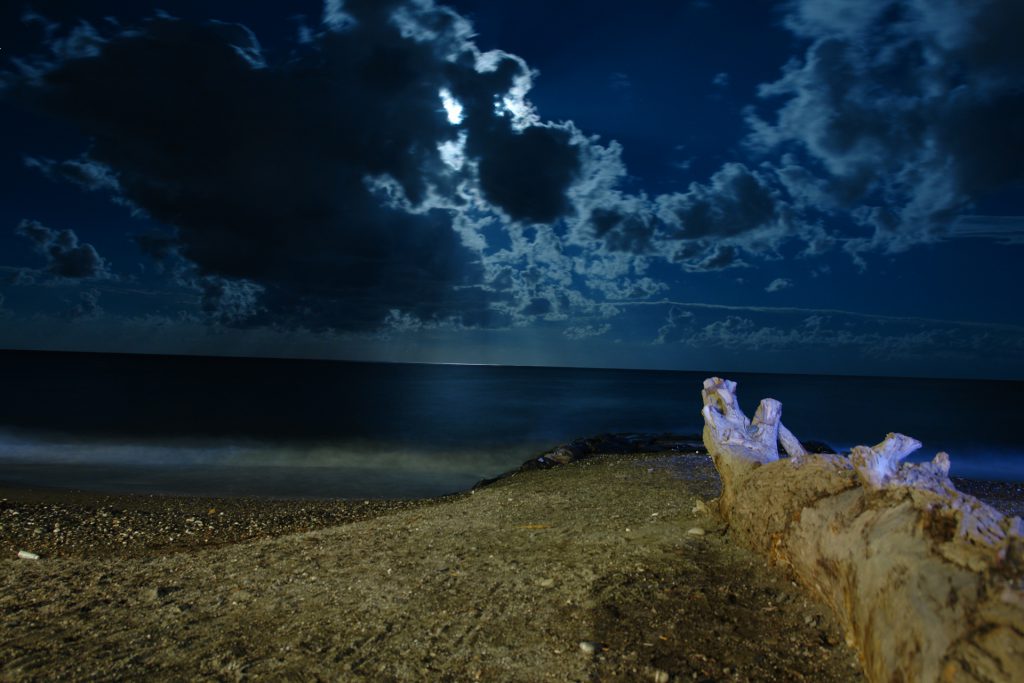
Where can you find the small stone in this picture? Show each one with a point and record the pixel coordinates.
(659, 676)
(695, 531)
(26, 555)
(156, 592)
(699, 508)
(589, 647)
(546, 583)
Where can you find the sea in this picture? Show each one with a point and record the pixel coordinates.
(125, 423)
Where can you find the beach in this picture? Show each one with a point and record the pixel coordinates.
(604, 569)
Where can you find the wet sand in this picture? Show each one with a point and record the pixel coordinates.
(591, 571)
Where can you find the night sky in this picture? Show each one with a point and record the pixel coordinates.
(825, 186)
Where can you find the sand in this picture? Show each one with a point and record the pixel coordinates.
(591, 571)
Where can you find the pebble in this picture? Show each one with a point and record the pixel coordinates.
(156, 592)
(699, 508)
(695, 531)
(546, 583)
(659, 676)
(98, 525)
(26, 555)
(589, 647)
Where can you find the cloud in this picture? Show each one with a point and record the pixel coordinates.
(401, 322)
(902, 112)
(585, 331)
(321, 186)
(65, 256)
(87, 305)
(676, 316)
(1005, 230)
(768, 331)
(739, 210)
(778, 284)
(527, 173)
(414, 167)
(620, 82)
(718, 257)
(622, 231)
(85, 173)
(897, 118)
(721, 80)
(736, 200)
(229, 301)
(383, 163)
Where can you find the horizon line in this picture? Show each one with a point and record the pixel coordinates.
(321, 359)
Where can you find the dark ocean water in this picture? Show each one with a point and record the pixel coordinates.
(227, 426)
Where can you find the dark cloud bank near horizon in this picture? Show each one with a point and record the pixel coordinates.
(382, 171)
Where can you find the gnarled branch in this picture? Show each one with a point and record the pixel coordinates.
(927, 582)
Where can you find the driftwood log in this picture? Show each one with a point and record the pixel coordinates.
(927, 582)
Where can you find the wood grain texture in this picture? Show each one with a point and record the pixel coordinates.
(925, 580)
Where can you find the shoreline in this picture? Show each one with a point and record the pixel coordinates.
(76, 523)
(55, 522)
(606, 568)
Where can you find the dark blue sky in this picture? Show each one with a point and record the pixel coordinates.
(829, 186)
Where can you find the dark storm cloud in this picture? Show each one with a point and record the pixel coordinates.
(735, 201)
(269, 171)
(525, 167)
(707, 228)
(906, 111)
(621, 231)
(66, 257)
(900, 116)
(527, 173)
(738, 210)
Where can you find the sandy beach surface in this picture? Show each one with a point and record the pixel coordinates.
(599, 570)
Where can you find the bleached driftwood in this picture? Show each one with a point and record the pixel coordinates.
(927, 582)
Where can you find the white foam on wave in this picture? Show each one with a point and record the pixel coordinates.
(250, 453)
